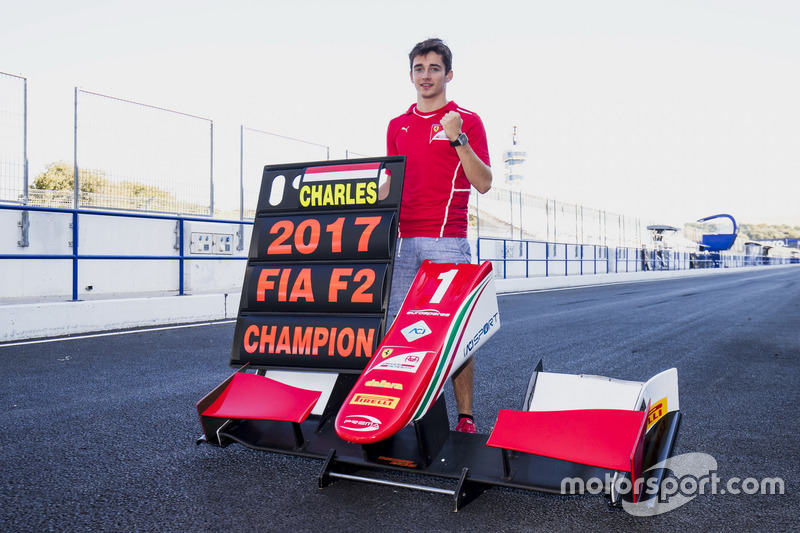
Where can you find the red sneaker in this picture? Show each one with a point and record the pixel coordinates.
(465, 425)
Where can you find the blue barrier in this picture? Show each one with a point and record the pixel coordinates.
(515, 259)
(518, 258)
(76, 256)
(539, 258)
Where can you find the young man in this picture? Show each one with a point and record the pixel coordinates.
(446, 154)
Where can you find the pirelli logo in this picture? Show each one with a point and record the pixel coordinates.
(657, 410)
(375, 400)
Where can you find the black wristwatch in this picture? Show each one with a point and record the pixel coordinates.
(461, 140)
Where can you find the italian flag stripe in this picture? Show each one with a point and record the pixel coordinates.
(342, 172)
(454, 335)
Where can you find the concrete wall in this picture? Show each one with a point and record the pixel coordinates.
(51, 319)
(36, 298)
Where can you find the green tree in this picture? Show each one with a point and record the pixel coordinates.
(60, 176)
(763, 232)
(97, 189)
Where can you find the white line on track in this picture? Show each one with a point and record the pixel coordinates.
(114, 333)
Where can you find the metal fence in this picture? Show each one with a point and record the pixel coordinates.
(512, 214)
(514, 258)
(180, 256)
(134, 156)
(13, 138)
(527, 259)
(258, 148)
(138, 157)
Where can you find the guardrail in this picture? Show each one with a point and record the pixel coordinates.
(520, 258)
(180, 257)
(513, 258)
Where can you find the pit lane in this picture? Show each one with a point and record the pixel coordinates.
(99, 431)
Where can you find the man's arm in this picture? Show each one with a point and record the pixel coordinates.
(391, 147)
(478, 173)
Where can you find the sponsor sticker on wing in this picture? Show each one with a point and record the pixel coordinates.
(408, 362)
(375, 400)
(427, 312)
(361, 423)
(657, 410)
(383, 384)
(416, 331)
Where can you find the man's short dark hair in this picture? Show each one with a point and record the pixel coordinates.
(432, 45)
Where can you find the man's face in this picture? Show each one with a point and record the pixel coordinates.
(428, 76)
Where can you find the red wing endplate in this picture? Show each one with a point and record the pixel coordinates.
(606, 438)
(250, 396)
(450, 310)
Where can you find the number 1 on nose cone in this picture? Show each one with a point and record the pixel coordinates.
(449, 311)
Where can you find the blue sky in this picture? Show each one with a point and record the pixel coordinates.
(670, 110)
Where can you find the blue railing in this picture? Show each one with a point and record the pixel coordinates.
(516, 258)
(525, 259)
(76, 256)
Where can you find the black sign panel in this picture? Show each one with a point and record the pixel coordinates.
(317, 282)
(332, 185)
(313, 342)
(348, 236)
(317, 288)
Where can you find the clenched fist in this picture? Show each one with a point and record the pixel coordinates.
(451, 123)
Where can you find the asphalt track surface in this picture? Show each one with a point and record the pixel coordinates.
(98, 434)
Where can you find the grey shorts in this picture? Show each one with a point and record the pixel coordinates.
(409, 256)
